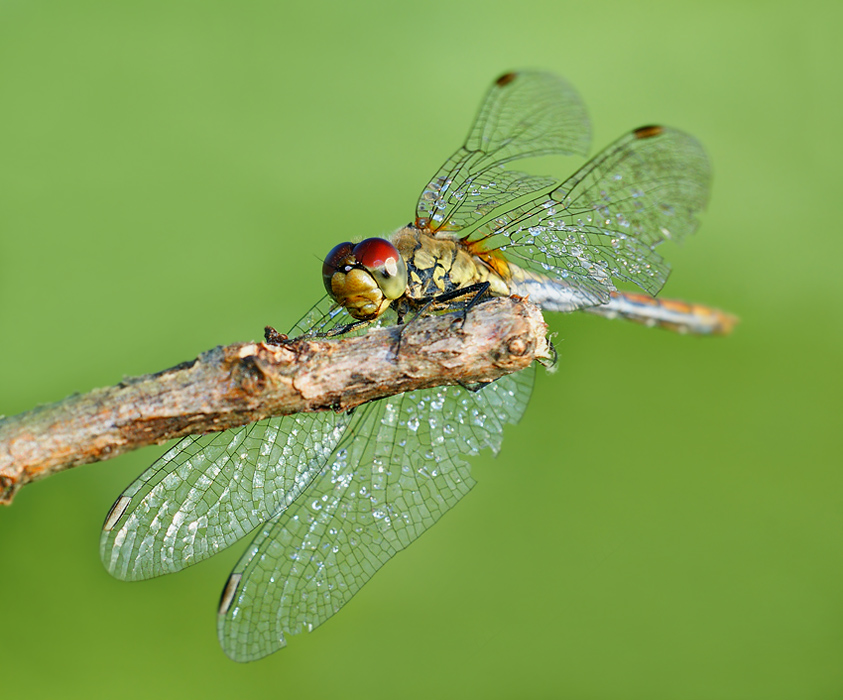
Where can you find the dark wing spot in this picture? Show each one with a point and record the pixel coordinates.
(116, 513)
(228, 593)
(505, 79)
(646, 132)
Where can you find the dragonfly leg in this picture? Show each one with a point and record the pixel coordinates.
(338, 330)
(473, 294)
(476, 292)
(482, 292)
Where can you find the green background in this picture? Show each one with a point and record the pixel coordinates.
(666, 520)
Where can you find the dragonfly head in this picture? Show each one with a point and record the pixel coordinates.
(366, 277)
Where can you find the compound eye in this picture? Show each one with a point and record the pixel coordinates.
(385, 264)
(334, 261)
(373, 253)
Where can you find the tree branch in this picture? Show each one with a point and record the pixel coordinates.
(230, 386)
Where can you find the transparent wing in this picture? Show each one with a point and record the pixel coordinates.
(326, 317)
(208, 491)
(524, 114)
(605, 221)
(400, 469)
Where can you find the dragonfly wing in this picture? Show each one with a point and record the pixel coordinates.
(208, 491)
(400, 471)
(524, 114)
(327, 318)
(604, 222)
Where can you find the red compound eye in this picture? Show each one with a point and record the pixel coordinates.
(385, 264)
(373, 253)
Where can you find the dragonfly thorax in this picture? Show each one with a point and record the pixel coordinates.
(440, 263)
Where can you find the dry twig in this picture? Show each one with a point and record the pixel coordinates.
(241, 383)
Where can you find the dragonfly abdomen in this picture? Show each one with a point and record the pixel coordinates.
(550, 294)
(672, 314)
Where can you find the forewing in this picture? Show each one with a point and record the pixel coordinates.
(604, 222)
(208, 491)
(524, 114)
(395, 476)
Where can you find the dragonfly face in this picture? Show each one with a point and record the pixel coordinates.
(366, 277)
(331, 497)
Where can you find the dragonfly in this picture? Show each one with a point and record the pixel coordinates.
(332, 496)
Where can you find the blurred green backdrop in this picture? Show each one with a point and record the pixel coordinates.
(665, 522)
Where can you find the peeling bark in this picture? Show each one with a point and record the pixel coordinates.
(237, 384)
